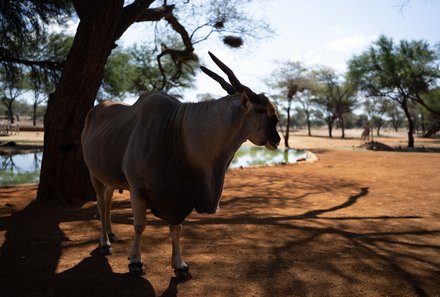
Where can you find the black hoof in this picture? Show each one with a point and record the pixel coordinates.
(183, 273)
(112, 237)
(136, 268)
(106, 250)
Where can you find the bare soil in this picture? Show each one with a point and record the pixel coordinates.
(354, 223)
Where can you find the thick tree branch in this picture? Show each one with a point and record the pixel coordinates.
(178, 56)
(130, 14)
(155, 14)
(172, 20)
(139, 11)
(420, 101)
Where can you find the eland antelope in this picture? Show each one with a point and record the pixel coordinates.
(171, 156)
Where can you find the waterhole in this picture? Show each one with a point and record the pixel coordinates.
(25, 168)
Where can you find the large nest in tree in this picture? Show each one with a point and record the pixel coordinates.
(376, 146)
(220, 24)
(233, 41)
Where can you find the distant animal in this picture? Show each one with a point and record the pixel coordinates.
(365, 137)
(171, 156)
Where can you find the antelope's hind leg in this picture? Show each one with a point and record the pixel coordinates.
(108, 207)
(104, 215)
(138, 205)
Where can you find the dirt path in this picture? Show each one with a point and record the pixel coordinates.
(355, 223)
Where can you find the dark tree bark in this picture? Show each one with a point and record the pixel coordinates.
(287, 132)
(330, 129)
(404, 105)
(309, 124)
(341, 119)
(330, 120)
(64, 176)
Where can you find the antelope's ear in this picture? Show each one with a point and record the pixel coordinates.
(245, 102)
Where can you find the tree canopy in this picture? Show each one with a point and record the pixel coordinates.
(402, 72)
(25, 23)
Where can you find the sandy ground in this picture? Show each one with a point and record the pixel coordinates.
(354, 223)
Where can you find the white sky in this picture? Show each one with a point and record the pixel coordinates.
(324, 32)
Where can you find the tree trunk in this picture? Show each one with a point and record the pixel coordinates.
(286, 137)
(34, 116)
(309, 124)
(404, 105)
(330, 128)
(342, 127)
(10, 111)
(64, 176)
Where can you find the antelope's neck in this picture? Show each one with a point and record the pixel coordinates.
(212, 131)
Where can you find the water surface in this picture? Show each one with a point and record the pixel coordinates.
(25, 168)
(20, 168)
(248, 156)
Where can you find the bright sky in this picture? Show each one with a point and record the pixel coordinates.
(316, 32)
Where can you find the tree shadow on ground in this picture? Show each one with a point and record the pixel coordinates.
(264, 242)
(32, 250)
(334, 255)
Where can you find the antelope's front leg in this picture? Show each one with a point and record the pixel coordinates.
(181, 269)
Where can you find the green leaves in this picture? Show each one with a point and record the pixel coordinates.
(135, 70)
(403, 70)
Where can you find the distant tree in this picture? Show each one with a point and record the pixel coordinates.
(396, 116)
(299, 118)
(293, 82)
(119, 75)
(402, 72)
(206, 96)
(306, 99)
(336, 97)
(361, 120)
(327, 110)
(377, 108)
(10, 91)
(317, 118)
(432, 120)
(53, 47)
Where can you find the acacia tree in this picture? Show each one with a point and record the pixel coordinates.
(10, 90)
(326, 107)
(307, 99)
(401, 72)
(293, 82)
(335, 97)
(376, 109)
(64, 176)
